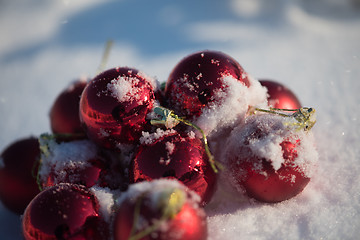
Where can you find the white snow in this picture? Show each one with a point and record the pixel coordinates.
(170, 147)
(310, 46)
(61, 157)
(122, 88)
(149, 138)
(231, 105)
(268, 146)
(159, 192)
(155, 191)
(106, 199)
(126, 88)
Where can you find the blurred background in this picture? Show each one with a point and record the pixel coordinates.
(311, 46)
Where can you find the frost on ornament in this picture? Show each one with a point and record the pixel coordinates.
(122, 88)
(69, 162)
(212, 90)
(114, 106)
(174, 154)
(105, 197)
(270, 159)
(232, 105)
(159, 209)
(64, 211)
(149, 138)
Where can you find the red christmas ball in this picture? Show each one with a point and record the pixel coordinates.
(170, 154)
(78, 162)
(162, 209)
(280, 96)
(17, 183)
(65, 211)
(64, 113)
(196, 81)
(87, 176)
(263, 158)
(114, 105)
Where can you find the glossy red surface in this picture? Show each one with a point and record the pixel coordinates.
(109, 120)
(64, 113)
(179, 157)
(87, 176)
(259, 179)
(65, 211)
(268, 185)
(280, 96)
(194, 81)
(17, 183)
(188, 224)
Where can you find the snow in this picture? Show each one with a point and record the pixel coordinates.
(157, 191)
(167, 195)
(231, 105)
(126, 89)
(267, 145)
(310, 46)
(149, 138)
(62, 157)
(106, 201)
(121, 88)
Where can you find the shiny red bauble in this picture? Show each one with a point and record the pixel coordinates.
(17, 181)
(114, 105)
(89, 174)
(171, 154)
(197, 79)
(279, 96)
(163, 210)
(265, 164)
(78, 162)
(64, 113)
(65, 211)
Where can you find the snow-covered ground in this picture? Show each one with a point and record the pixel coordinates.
(312, 46)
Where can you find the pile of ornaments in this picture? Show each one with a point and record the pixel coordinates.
(129, 158)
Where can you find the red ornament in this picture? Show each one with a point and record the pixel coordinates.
(161, 209)
(88, 175)
(195, 81)
(65, 211)
(114, 105)
(64, 114)
(280, 96)
(173, 155)
(262, 158)
(78, 162)
(17, 183)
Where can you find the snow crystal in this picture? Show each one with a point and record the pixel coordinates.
(170, 147)
(106, 201)
(122, 88)
(215, 61)
(191, 134)
(126, 88)
(149, 138)
(164, 161)
(103, 133)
